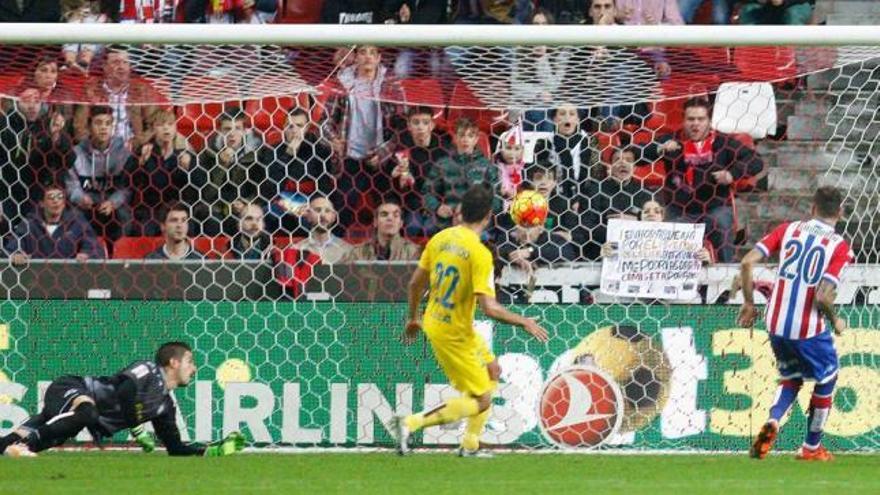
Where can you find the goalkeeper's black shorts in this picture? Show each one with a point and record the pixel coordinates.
(61, 394)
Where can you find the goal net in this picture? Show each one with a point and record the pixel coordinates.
(267, 204)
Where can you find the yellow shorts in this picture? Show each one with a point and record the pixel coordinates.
(464, 361)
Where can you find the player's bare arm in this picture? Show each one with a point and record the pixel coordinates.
(418, 284)
(747, 312)
(826, 294)
(493, 309)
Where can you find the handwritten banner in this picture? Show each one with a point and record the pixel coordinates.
(658, 260)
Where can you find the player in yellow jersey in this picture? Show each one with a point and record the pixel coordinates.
(458, 268)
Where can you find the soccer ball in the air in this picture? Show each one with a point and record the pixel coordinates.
(529, 208)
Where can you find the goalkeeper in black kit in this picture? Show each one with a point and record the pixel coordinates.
(139, 393)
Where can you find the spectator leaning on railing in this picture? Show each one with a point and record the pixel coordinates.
(175, 229)
(252, 242)
(321, 216)
(53, 232)
(386, 244)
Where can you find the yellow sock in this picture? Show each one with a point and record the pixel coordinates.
(475, 424)
(451, 410)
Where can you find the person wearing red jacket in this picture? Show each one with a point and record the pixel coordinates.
(701, 167)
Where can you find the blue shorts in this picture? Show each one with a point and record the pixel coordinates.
(810, 359)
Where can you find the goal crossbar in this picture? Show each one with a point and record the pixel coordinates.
(438, 35)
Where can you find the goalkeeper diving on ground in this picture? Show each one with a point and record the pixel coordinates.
(459, 270)
(104, 405)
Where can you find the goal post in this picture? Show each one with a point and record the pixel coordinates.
(284, 161)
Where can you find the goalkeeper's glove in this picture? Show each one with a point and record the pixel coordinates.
(233, 443)
(143, 438)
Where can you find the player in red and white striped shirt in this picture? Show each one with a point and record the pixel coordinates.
(811, 259)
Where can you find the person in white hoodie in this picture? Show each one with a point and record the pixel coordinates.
(98, 183)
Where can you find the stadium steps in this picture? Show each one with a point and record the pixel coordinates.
(852, 8)
(762, 211)
(863, 76)
(834, 105)
(831, 139)
(817, 155)
(853, 128)
(848, 19)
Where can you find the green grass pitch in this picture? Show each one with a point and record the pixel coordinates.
(126, 473)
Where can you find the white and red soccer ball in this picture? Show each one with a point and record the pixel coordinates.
(529, 209)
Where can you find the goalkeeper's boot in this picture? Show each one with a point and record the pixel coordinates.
(817, 454)
(18, 450)
(479, 453)
(233, 443)
(765, 440)
(400, 432)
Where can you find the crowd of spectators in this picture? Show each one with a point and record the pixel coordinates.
(365, 177)
(378, 165)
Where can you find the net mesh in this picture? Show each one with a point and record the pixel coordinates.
(310, 178)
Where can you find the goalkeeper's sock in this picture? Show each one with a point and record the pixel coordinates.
(820, 407)
(786, 394)
(451, 410)
(63, 427)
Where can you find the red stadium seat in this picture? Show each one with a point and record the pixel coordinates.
(70, 86)
(300, 11)
(655, 122)
(325, 90)
(685, 84)
(196, 121)
(765, 63)
(670, 113)
(270, 111)
(10, 84)
(128, 248)
(607, 143)
(269, 115)
(464, 103)
(483, 144)
(652, 175)
(162, 87)
(212, 247)
(712, 56)
(103, 244)
(285, 241)
(636, 135)
(426, 92)
(157, 95)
